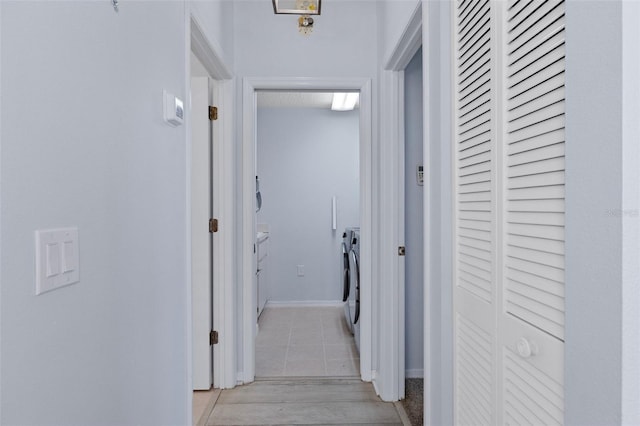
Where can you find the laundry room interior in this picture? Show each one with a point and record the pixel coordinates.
(307, 198)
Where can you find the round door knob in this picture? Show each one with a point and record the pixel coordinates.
(525, 348)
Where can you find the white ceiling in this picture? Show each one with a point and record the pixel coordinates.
(294, 99)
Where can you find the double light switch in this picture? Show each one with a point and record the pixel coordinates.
(57, 262)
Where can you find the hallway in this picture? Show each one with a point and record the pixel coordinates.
(308, 401)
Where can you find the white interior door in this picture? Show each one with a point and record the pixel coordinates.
(201, 246)
(475, 292)
(509, 225)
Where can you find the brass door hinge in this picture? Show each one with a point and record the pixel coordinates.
(402, 251)
(213, 225)
(213, 337)
(213, 113)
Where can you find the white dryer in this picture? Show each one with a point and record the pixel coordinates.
(347, 236)
(354, 284)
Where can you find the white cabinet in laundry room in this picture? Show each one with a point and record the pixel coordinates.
(262, 253)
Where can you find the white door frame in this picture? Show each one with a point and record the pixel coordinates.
(368, 303)
(392, 380)
(201, 254)
(223, 176)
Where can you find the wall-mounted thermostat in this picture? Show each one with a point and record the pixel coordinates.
(173, 109)
(420, 175)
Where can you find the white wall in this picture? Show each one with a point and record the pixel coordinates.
(343, 41)
(393, 16)
(216, 20)
(305, 157)
(414, 215)
(593, 379)
(84, 144)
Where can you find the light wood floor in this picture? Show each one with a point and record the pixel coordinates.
(302, 401)
(313, 343)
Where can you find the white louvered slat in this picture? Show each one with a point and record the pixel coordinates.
(474, 367)
(477, 41)
(536, 103)
(526, 33)
(480, 143)
(536, 281)
(552, 178)
(549, 192)
(546, 218)
(537, 256)
(531, 396)
(519, 97)
(473, 86)
(533, 293)
(520, 84)
(536, 243)
(539, 116)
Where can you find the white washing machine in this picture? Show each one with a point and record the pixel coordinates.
(354, 285)
(347, 236)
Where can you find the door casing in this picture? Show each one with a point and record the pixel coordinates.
(246, 373)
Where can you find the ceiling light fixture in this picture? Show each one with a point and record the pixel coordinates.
(344, 101)
(305, 8)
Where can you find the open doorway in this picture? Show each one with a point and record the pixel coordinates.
(249, 205)
(414, 238)
(308, 234)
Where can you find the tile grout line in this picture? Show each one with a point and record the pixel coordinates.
(324, 348)
(286, 353)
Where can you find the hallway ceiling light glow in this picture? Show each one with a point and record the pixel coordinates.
(344, 101)
(296, 7)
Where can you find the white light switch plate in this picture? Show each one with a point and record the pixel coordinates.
(57, 262)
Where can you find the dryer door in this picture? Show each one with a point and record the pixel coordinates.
(354, 298)
(345, 273)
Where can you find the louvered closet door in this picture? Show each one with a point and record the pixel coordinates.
(475, 290)
(509, 212)
(532, 323)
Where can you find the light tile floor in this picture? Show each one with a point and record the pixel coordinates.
(305, 341)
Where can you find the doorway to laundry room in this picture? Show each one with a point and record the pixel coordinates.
(307, 241)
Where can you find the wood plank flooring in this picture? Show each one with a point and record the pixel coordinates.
(303, 401)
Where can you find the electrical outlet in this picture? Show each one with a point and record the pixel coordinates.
(301, 270)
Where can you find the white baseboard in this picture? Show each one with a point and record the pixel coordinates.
(304, 303)
(414, 373)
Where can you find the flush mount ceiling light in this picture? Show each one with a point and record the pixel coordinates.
(344, 101)
(296, 7)
(305, 8)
